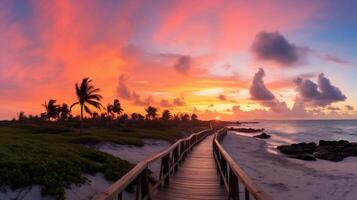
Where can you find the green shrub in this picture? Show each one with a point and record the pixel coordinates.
(52, 155)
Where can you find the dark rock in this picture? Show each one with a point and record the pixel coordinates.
(321, 154)
(333, 143)
(262, 136)
(246, 130)
(326, 150)
(303, 156)
(335, 157)
(351, 144)
(350, 150)
(326, 155)
(299, 148)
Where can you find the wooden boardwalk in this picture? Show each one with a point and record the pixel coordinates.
(197, 177)
(195, 158)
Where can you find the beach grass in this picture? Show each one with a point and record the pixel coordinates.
(55, 156)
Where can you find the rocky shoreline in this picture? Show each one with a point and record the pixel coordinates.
(246, 130)
(262, 136)
(326, 150)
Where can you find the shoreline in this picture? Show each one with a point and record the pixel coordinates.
(287, 178)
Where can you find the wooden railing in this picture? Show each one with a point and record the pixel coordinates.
(170, 158)
(231, 175)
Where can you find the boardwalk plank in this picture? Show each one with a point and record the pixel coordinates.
(197, 178)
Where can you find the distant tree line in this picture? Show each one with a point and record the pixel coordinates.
(88, 97)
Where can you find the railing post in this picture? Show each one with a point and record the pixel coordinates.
(224, 169)
(176, 158)
(237, 188)
(218, 156)
(120, 196)
(246, 193)
(138, 189)
(142, 188)
(145, 190)
(233, 186)
(166, 169)
(181, 151)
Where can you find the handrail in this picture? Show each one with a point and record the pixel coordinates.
(170, 160)
(232, 174)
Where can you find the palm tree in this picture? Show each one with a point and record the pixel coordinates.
(166, 115)
(137, 117)
(95, 115)
(134, 116)
(64, 112)
(124, 117)
(151, 112)
(194, 117)
(140, 117)
(110, 111)
(177, 117)
(52, 110)
(87, 96)
(117, 107)
(22, 116)
(185, 117)
(114, 108)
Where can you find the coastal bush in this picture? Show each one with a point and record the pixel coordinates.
(59, 169)
(51, 162)
(56, 156)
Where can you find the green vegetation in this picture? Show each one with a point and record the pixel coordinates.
(55, 155)
(53, 149)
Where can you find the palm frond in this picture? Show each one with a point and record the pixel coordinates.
(93, 91)
(45, 105)
(90, 87)
(86, 108)
(84, 85)
(95, 104)
(95, 96)
(70, 108)
(78, 91)
(116, 102)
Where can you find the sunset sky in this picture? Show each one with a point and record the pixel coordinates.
(233, 59)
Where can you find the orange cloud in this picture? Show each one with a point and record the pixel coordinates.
(43, 55)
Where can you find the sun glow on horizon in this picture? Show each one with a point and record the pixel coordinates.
(161, 62)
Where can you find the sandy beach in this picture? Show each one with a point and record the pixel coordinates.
(97, 183)
(286, 178)
(131, 153)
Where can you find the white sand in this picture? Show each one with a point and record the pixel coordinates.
(291, 179)
(28, 193)
(136, 154)
(96, 183)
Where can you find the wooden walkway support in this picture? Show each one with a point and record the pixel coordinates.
(197, 178)
(194, 168)
(237, 183)
(171, 159)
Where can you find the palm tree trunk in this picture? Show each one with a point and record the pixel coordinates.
(81, 119)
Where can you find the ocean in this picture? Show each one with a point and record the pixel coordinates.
(287, 178)
(295, 131)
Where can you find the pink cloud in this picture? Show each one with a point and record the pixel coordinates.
(229, 25)
(103, 40)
